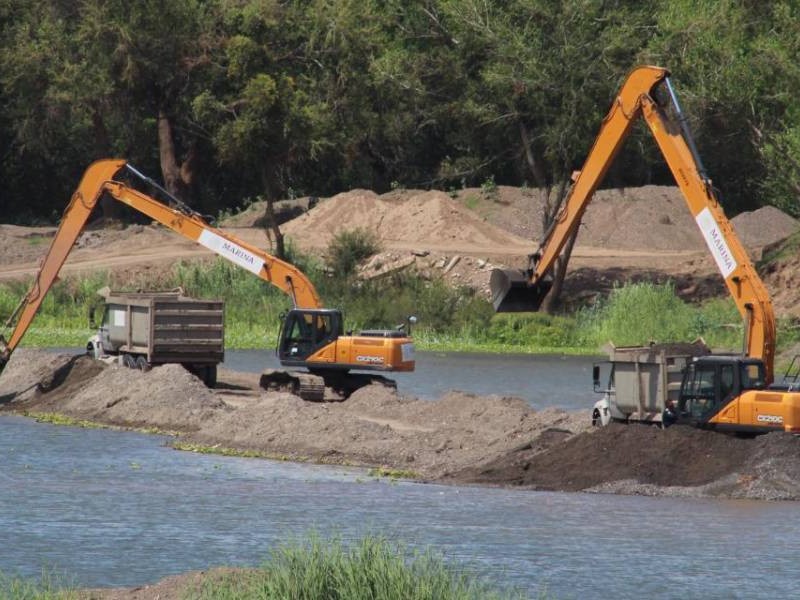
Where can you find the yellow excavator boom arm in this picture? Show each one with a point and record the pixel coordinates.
(99, 179)
(636, 99)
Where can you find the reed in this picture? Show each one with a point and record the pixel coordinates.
(370, 568)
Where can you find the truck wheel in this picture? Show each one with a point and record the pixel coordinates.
(210, 376)
(129, 361)
(142, 364)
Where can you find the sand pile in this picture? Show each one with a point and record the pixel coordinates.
(459, 438)
(411, 216)
(649, 218)
(167, 398)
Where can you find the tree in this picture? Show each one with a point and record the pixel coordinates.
(105, 78)
(541, 80)
(735, 65)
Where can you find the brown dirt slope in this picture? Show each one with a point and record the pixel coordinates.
(650, 217)
(375, 427)
(646, 460)
(631, 234)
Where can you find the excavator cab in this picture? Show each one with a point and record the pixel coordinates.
(711, 382)
(305, 331)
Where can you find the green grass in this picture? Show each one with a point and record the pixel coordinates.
(370, 568)
(387, 473)
(223, 451)
(48, 587)
(59, 419)
(313, 569)
(449, 319)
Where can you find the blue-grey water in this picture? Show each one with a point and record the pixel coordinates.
(526, 376)
(112, 508)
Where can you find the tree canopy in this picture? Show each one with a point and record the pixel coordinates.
(226, 101)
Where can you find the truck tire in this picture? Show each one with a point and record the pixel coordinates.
(142, 364)
(210, 376)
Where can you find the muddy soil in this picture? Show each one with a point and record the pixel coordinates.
(460, 438)
(176, 587)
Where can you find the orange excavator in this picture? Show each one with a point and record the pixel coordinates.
(725, 392)
(311, 337)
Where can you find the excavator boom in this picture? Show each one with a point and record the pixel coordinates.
(525, 290)
(372, 350)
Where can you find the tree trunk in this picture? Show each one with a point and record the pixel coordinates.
(108, 206)
(549, 212)
(177, 178)
(271, 227)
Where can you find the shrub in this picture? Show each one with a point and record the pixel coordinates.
(349, 248)
(372, 568)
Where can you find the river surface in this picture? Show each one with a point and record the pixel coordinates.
(562, 381)
(112, 508)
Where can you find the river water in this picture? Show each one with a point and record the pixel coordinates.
(112, 508)
(562, 381)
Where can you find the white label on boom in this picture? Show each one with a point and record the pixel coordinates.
(233, 252)
(716, 242)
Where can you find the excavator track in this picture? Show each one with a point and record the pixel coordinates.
(318, 387)
(310, 387)
(306, 385)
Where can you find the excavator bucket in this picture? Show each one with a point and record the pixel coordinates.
(512, 292)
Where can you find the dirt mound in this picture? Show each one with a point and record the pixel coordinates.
(638, 459)
(167, 398)
(783, 280)
(764, 226)
(459, 438)
(651, 217)
(420, 219)
(376, 426)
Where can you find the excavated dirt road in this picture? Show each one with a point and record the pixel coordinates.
(459, 438)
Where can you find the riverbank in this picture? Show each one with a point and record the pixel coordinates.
(458, 438)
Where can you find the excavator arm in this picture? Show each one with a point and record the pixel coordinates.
(521, 291)
(98, 179)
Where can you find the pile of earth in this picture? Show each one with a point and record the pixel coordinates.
(652, 218)
(459, 438)
(632, 459)
(635, 234)
(375, 427)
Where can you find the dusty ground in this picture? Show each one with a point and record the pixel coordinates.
(177, 587)
(634, 234)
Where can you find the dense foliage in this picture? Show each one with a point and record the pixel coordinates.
(229, 100)
(449, 319)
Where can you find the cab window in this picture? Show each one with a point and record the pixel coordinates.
(698, 391)
(725, 381)
(753, 376)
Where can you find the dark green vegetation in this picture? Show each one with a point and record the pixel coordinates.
(449, 319)
(227, 101)
(369, 568)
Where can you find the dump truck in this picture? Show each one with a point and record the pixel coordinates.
(146, 329)
(320, 353)
(733, 392)
(642, 381)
